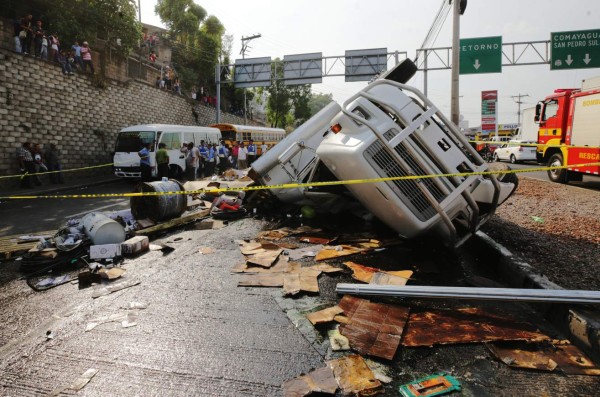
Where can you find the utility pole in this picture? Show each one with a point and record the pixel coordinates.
(245, 41)
(519, 102)
(454, 101)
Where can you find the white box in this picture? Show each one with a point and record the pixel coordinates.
(105, 251)
(135, 245)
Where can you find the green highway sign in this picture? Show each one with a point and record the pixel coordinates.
(575, 50)
(481, 55)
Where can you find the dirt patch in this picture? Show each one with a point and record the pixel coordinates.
(555, 228)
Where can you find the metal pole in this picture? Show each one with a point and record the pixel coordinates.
(425, 74)
(218, 104)
(499, 294)
(454, 102)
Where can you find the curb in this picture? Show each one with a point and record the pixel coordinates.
(580, 324)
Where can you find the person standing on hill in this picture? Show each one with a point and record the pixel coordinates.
(162, 161)
(38, 35)
(146, 168)
(86, 56)
(26, 34)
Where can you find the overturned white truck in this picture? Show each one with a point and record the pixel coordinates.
(389, 130)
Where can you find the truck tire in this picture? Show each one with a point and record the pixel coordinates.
(558, 175)
(513, 159)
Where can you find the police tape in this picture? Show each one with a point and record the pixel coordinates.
(299, 185)
(55, 172)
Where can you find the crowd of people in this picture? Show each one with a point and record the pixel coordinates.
(198, 94)
(32, 159)
(29, 35)
(204, 160)
(168, 81)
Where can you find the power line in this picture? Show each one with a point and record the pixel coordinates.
(519, 102)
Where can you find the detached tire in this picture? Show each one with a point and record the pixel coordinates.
(558, 175)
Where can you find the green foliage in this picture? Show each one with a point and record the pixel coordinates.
(318, 102)
(286, 105)
(196, 41)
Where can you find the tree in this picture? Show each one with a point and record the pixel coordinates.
(286, 105)
(196, 39)
(318, 102)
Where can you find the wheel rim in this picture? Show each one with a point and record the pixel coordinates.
(556, 163)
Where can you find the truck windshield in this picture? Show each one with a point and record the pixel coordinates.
(133, 141)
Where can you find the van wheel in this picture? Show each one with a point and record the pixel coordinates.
(175, 171)
(557, 175)
(513, 159)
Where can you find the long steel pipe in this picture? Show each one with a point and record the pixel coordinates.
(500, 294)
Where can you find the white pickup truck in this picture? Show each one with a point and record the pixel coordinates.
(390, 130)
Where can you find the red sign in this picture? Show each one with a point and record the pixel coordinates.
(489, 111)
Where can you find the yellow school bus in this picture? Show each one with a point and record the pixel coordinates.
(232, 133)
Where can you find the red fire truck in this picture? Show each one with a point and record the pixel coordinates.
(569, 131)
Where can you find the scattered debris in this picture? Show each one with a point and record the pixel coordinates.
(174, 223)
(338, 341)
(324, 316)
(50, 335)
(52, 282)
(135, 245)
(337, 251)
(207, 250)
(288, 246)
(354, 376)
(305, 252)
(286, 231)
(83, 380)
(318, 381)
(260, 254)
(112, 273)
(434, 385)
(537, 219)
(375, 329)
(306, 279)
(316, 240)
(281, 265)
(380, 371)
(135, 305)
(109, 289)
(545, 357)
(261, 280)
(366, 274)
(466, 325)
(127, 319)
(105, 251)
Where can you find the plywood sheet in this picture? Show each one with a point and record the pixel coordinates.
(375, 329)
(467, 325)
(318, 381)
(354, 376)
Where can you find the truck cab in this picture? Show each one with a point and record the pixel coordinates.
(551, 114)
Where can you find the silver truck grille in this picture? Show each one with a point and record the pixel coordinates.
(406, 190)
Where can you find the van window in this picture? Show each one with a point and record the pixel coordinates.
(133, 141)
(171, 140)
(189, 137)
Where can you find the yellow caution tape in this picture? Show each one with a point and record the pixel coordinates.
(54, 172)
(299, 185)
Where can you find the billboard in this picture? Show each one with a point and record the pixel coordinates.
(489, 111)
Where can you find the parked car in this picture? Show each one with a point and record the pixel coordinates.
(516, 151)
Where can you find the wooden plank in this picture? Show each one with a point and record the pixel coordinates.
(11, 245)
(173, 223)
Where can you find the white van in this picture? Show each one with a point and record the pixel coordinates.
(130, 140)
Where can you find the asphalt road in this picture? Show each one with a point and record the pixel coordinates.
(34, 215)
(589, 182)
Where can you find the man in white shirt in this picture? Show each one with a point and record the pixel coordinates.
(263, 148)
(242, 159)
(193, 161)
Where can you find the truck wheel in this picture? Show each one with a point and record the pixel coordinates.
(496, 159)
(513, 159)
(557, 175)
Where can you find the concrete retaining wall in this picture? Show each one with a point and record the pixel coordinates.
(39, 104)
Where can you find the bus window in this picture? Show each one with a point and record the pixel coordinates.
(228, 135)
(171, 140)
(133, 141)
(246, 136)
(188, 137)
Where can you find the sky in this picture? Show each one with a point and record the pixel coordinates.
(334, 26)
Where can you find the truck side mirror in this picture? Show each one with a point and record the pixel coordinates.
(538, 110)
